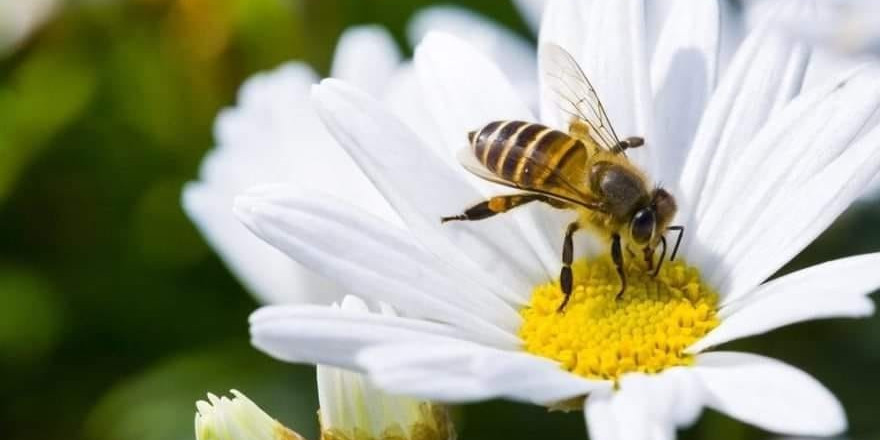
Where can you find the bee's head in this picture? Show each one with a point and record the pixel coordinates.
(650, 222)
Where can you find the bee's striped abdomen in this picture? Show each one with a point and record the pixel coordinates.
(513, 149)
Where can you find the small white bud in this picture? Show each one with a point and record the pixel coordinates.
(237, 418)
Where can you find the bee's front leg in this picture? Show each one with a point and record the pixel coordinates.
(648, 253)
(662, 255)
(617, 257)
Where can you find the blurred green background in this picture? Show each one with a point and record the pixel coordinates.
(115, 316)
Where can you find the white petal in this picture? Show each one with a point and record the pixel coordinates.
(563, 25)
(673, 397)
(266, 138)
(628, 413)
(478, 372)
(769, 394)
(514, 55)
(830, 290)
(274, 135)
(811, 209)
(765, 74)
(374, 260)
(265, 271)
(305, 214)
(367, 57)
(810, 132)
(405, 98)
(848, 28)
(325, 335)
(656, 14)
(825, 63)
(872, 192)
(464, 89)
(615, 58)
(732, 34)
(424, 189)
(531, 10)
(253, 143)
(601, 422)
(683, 72)
(689, 397)
(636, 411)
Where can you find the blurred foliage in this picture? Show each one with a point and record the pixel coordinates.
(32, 316)
(36, 103)
(157, 404)
(115, 317)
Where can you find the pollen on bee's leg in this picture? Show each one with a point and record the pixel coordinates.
(498, 204)
(601, 337)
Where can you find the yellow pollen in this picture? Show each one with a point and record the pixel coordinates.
(599, 337)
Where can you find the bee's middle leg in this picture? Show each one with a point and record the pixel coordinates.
(565, 276)
(617, 257)
(493, 206)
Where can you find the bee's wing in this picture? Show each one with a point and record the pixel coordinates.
(566, 191)
(467, 159)
(575, 95)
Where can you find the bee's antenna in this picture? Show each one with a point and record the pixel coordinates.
(630, 142)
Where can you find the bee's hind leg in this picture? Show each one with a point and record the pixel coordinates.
(565, 276)
(617, 257)
(495, 205)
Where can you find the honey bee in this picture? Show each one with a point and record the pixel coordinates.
(585, 169)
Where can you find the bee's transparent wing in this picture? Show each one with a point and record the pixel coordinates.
(570, 194)
(467, 159)
(575, 95)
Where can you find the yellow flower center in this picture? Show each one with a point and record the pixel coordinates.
(600, 337)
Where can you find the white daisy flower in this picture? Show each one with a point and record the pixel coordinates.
(274, 135)
(760, 163)
(237, 418)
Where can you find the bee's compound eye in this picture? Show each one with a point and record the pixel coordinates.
(642, 226)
